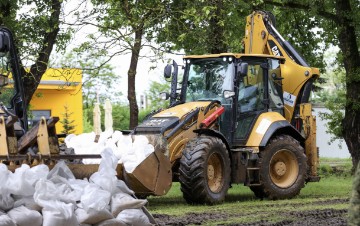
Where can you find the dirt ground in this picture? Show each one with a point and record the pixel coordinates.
(310, 217)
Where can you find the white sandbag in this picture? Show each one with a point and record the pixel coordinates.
(94, 149)
(60, 173)
(28, 202)
(5, 220)
(46, 190)
(122, 187)
(125, 142)
(95, 198)
(122, 201)
(81, 140)
(92, 216)
(138, 152)
(68, 139)
(108, 162)
(119, 153)
(23, 180)
(22, 216)
(106, 175)
(38, 172)
(6, 201)
(111, 222)
(104, 136)
(57, 213)
(116, 136)
(4, 174)
(78, 187)
(140, 141)
(134, 217)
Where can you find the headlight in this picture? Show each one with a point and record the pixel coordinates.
(164, 96)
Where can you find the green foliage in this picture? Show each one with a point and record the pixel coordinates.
(153, 94)
(67, 122)
(87, 121)
(97, 75)
(335, 167)
(31, 21)
(143, 114)
(333, 96)
(121, 117)
(200, 27)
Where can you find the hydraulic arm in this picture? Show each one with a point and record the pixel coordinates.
(297, 77)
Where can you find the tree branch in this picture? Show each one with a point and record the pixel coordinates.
(296, 5)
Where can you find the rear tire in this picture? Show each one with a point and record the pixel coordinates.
(283, 169)
(204, 171)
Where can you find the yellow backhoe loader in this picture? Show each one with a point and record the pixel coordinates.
(233, 118)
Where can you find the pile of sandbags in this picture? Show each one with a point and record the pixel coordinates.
(36, 196)
(130, 153)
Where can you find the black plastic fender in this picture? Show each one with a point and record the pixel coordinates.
(281, 127)
(215, 133)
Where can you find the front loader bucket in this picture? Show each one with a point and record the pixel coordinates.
(153, 176)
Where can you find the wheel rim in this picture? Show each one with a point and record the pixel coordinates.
(284, 168)
(215, 173)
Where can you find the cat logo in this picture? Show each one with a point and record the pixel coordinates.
(275, 51)
(155, 122)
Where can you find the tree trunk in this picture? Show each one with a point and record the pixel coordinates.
(33, 77)
(216, 33)
(349, 48)
(134, 110)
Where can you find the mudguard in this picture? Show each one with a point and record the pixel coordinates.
(269, 124)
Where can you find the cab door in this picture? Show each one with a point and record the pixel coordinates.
(252, 99)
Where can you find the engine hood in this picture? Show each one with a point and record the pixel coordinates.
(182, 109)
(168, 119)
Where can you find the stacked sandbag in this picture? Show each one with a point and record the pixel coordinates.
(129, 152)
(37, 196)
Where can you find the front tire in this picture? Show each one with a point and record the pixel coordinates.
(204, 170)
(283, 168)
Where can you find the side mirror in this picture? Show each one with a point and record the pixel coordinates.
(228, 94)
(3, 42)
(164, 96)
(167, 71)
(243, 69)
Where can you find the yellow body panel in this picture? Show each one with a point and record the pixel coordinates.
(59, 88)
(261, 126)
(309, 125)
(294, 75)
(178, 141)
(182, 109)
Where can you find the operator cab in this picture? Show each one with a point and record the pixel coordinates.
(246, 85)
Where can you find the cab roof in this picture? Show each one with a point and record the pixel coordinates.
(236, 55)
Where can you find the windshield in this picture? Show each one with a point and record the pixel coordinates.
(209, 78)
(6, 90)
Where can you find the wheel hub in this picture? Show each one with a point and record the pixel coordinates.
(284, 168)
(214, 173)
(210, 172)
(280, 168)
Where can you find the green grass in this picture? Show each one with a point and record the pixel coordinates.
(242, 206)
